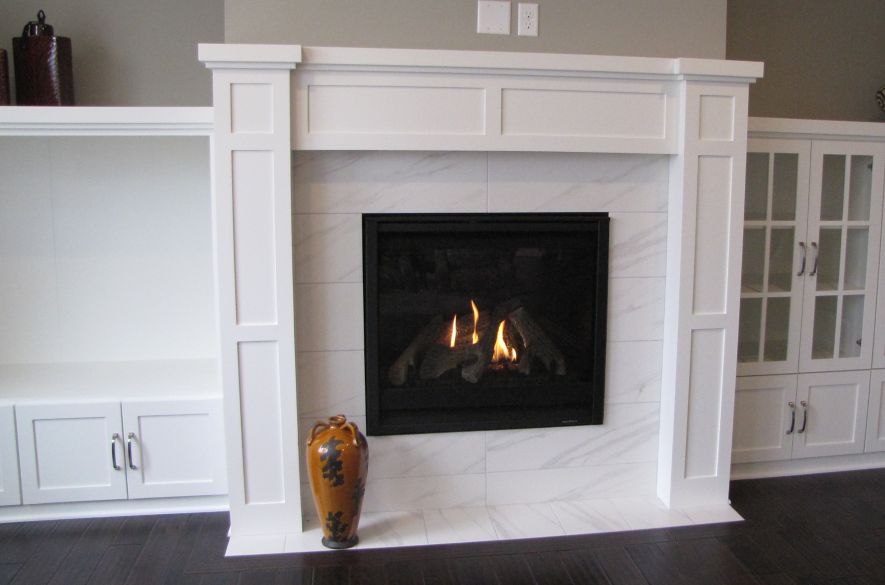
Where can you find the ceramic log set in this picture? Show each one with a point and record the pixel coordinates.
(337, 465)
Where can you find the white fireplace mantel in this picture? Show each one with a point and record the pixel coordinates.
(271, 100)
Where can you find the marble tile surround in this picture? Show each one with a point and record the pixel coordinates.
(498, 469)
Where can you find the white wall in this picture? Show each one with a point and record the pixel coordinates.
(651, 28)
(99, 266)
(491, 468)
(127, 52)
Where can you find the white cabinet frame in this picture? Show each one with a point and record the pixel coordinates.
(10, 491)
(876, 413)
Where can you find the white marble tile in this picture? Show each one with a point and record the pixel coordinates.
(711, 514)
(571, 483)
(638, 244)
(309, 540)
(635, 309)
(648, 512)
(629, 435)
(458, 525)
(633, 371)
(383, 182)
(525, 521)
(577, 182)
(327, 247)
(419, 493)
(425, 455)
(256, 544)
(329, 317)
(589, 516)
(390, 529)
(331, 382)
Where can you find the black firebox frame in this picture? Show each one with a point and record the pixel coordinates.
(575, 404)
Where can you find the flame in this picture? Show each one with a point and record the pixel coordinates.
(454, 330)
(475, 321)
(502, 351)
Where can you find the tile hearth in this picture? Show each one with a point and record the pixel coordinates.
(493, 523)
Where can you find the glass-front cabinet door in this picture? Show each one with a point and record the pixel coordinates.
(775, 256)
(844, 224)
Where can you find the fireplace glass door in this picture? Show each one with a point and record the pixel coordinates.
(484, 321)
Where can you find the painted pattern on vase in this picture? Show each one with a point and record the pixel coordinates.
(337, 466)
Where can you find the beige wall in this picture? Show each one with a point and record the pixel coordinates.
(667, 28)
(823, 59)
(128, 52)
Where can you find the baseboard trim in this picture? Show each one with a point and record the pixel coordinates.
(807, 466)
(68, 511)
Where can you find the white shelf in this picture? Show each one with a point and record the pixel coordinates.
(85, 381)
(104, 121)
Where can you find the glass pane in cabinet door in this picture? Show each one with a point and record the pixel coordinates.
(784, 184)
(856, 258)
(823, 342)
(832, 193)
(859, 186)
(780, 260)
(852, 326)
(829, 254)
(748, 332)
(777, 329)
(753, 264)
(756, 202)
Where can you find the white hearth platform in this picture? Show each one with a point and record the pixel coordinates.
(496, 523)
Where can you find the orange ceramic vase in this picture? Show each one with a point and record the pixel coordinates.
(337, 465)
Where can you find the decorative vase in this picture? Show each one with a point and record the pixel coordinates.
(337, 465)
(43, 66)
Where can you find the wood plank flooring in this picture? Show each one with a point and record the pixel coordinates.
(824, 529)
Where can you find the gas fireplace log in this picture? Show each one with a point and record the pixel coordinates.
(537, 345)
(440, 359)
(399, 371)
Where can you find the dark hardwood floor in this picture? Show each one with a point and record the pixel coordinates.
(799, 531)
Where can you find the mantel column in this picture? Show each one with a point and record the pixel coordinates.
(251, 209)
(704, 243)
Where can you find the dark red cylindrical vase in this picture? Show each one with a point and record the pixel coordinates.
(337, 465)
(43, 66)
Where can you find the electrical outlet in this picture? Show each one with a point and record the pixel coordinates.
(528, 20)
(493, 17)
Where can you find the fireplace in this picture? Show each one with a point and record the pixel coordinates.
(484, 321)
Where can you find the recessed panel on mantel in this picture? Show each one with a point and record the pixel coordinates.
(712, 238)
(251, 108)
(395, 110)
(568, 112)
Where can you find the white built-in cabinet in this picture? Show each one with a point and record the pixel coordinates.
(90, 451)
(108, 388)
(808, 334)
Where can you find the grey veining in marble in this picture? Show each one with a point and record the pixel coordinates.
(638, 244)
(327, 247)
(419, 493)
(430, 454)
(635, 309)
(329, 316)
(382, 182)
(633, 371)
(525, 521)
(331, 382)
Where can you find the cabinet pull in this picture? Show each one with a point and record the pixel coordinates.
(792, 406)
(802, 265)
(816, 256)
(129, 438)
(804, 416)
(114, 438)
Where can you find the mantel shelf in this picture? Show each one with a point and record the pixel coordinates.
(105, 121)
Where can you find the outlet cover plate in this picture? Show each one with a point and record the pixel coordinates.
(493, 17)
(527, 23)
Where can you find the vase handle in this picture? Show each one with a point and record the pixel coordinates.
(353, 431)
(313, 431)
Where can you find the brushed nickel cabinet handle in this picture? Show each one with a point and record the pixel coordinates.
(804, 254)
(114, 438)
(804, 416)
(816, 257)
(792, 406)
(129, 438)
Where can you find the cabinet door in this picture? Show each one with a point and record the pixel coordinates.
(10, 495)
(876, 413)
(844, 224)
(774, 256)
(70, 452)
(174, 448)
(832, 416)
(764, 418)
